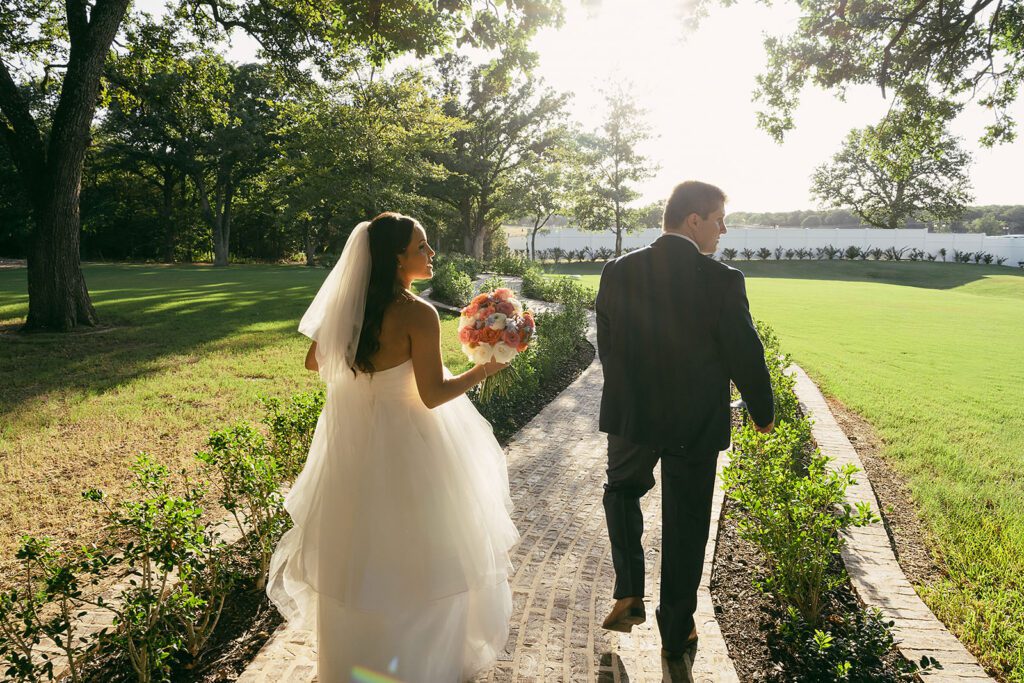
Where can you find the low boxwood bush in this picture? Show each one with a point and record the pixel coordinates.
(450, 285)
(513, 264)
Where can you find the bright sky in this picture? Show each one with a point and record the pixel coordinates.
(697, 91)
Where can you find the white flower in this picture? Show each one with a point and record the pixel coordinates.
(482, 353)
(503, 353)
(496, 321)
(516, 304)
(468, 351)
(465, 322)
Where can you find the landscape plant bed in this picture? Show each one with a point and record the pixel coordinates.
(781, 593)
(749, 619)
(246, 624)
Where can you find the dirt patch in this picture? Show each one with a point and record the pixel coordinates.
(907, 533)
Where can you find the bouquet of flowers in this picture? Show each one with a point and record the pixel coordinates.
(494, 327)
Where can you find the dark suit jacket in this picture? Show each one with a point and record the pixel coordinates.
(673, 327)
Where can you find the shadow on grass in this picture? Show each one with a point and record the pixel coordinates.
(148, 314)
(906, 273)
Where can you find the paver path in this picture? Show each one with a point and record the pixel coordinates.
(563, 578)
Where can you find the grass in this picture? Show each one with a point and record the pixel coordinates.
(182, 350)
(928, 353)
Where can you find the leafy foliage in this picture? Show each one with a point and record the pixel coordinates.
(906, 167)
(609, 169)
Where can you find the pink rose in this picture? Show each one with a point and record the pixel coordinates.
(503, 294)
(470, 310)
(506, 308)
(513, 339)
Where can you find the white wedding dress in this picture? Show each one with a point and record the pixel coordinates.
(398, 557)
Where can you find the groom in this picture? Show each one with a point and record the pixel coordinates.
(673, 327)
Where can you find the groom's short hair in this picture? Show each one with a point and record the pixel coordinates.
(688, 197)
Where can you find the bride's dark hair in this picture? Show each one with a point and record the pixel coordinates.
(389, 235)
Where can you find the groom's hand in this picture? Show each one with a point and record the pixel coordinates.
(766, 429)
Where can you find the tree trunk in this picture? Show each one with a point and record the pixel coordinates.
(309, 245)
(533, 245)
(167, 216)
(477, 244)
(58, 297)
(618, 242)
(219, 219)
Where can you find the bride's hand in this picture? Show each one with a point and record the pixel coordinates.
(493, 368)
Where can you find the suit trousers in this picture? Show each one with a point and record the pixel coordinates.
(687, 487)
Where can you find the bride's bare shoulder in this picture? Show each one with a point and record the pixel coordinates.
(416, 312)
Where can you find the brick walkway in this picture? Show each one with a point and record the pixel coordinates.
(563, 578)
(876, 575)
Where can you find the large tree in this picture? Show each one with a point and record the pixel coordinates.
(960, 50)
(509, 118)
(906, 167)
(610, 168)
(67, 43)
(349, 151)
(168, 95)
(541, 187)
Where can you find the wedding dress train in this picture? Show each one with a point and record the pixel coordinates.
(398, 557)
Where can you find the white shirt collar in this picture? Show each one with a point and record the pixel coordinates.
(676, 234)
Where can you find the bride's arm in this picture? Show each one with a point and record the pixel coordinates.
(425, 339)
(311, 363)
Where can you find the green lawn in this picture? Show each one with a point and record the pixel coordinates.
(182, 350)
(929, 354)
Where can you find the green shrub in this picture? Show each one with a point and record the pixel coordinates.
(536, 285)
(793, 509)
(163, 537)
(45, 602)
(451, 286)
(250, 477)
(463, 263)
(492, 283)
(291, 428)
(512, 264)
(787, 407)
(852, 648)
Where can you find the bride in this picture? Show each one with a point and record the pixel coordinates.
(399, 552)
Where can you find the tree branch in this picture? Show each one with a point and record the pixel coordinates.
(887, 55)
(78, 19)
(21, 133)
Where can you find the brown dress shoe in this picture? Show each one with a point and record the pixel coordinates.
(627, 613)
(689, 649)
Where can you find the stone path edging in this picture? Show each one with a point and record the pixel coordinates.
(562, 585)
(874, 572)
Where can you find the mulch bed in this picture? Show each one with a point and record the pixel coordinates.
(747, 617)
